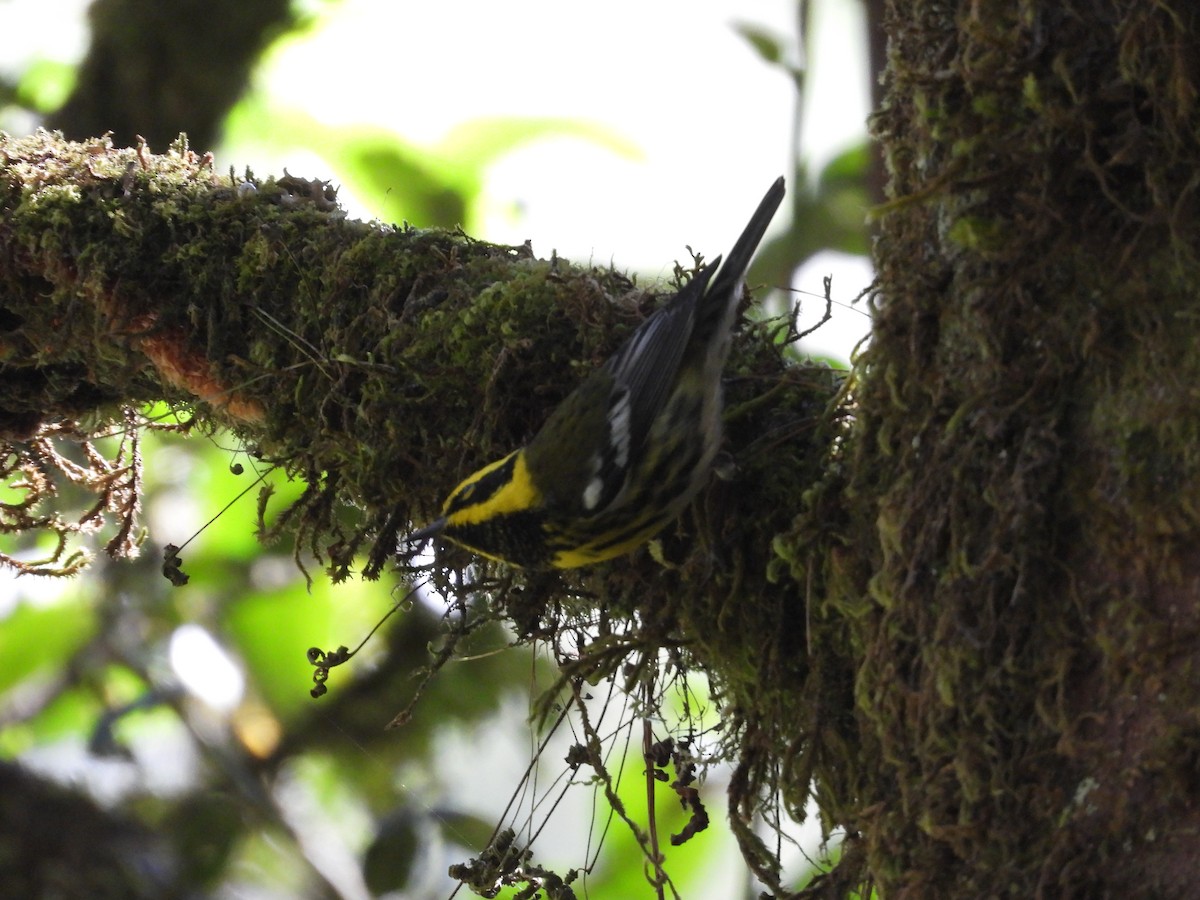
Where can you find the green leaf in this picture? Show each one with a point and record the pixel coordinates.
(33, 639)
(206, 828)
(848, 168)
(70, 715)
(430, 186)
(389, 860)
(464, 829)
(767, 44)
(45, 85)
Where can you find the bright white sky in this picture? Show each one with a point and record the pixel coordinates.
(711, 120)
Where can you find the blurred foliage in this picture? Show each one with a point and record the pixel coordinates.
(44, 85)
(156, 68)
(94, 671)
(276, 791)
(431, 187)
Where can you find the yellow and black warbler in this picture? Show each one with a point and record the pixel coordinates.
(623, 454)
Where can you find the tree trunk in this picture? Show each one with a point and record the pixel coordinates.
(155, 68)
(1025, 462)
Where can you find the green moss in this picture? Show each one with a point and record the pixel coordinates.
(997, 562)
(976, 233)
(379, 365)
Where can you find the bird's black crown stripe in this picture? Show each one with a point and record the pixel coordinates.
(483, 489)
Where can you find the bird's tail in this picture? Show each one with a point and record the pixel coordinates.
(725, 289)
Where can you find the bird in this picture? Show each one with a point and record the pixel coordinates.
(622, 455)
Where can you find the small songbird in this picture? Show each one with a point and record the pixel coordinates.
(626, 451)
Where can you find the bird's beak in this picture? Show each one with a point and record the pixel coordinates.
(433, 529)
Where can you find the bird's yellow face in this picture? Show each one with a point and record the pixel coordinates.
(497, 489)
(495, 512)
(499, 513)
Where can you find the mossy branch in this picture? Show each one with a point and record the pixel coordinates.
(377, 363)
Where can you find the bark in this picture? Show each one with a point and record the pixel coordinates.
(158, 67)
(1024, 471)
